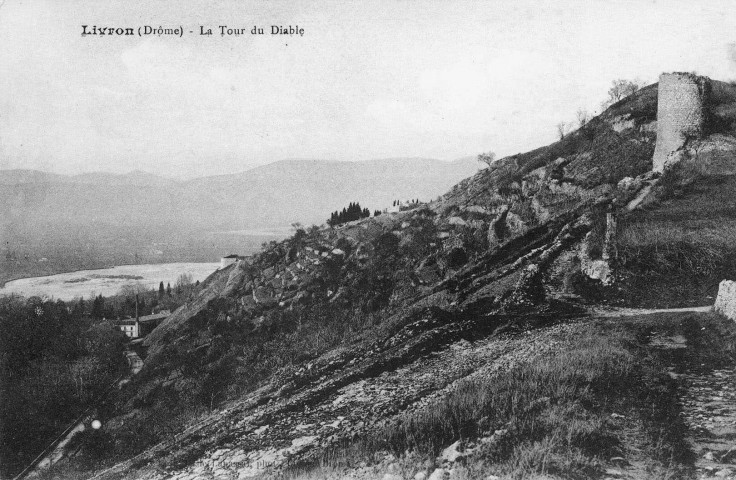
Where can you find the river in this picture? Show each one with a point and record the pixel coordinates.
(106, 281)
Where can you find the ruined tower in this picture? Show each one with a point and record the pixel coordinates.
(681, 114)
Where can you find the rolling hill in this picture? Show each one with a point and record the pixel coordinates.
(273, 195)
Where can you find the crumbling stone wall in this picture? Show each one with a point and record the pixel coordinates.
(681, 114)
(726, 299)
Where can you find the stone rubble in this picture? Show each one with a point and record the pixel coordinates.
(709, 408)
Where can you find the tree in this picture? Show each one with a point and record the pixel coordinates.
(79, 308)
(562, 129)
(98, 307)
(621, 89)
(161, 290)
(184, 280)
(583, 117)
(168, 289)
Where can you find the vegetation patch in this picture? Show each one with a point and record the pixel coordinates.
(676, 252)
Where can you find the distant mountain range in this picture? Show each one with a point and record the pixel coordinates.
(272, 195)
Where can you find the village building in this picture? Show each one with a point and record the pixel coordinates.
(141, 326)
(229, 260)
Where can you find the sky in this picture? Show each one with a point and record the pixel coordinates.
(366, 80)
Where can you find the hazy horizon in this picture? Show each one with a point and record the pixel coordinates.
(182, 178)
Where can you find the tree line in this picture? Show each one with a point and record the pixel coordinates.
(57, 357)
(53, 364)
(350, 213)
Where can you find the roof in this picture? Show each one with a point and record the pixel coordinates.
(231, 256)
(155, 316)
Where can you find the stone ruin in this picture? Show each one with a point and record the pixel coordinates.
(726, 299)
(681, 115)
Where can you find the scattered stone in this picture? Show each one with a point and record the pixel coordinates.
(302, 441)
(452, 453)
(219, 453)
(438, 474)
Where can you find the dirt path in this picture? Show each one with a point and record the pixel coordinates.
(708, 399)
(709, 407)
(630, 312)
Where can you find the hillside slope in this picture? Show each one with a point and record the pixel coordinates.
(388, 340)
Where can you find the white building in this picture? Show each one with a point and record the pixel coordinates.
(229, 260)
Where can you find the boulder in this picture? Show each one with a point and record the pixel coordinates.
(726, 299)
(428, 271)
(264, 295)
(269, 273)
(476, 209)
(596, 269)
(629, 183)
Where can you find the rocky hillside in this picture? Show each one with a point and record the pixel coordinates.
(371, 349)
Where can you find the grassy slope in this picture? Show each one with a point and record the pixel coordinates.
(556, 414)
(676, 252)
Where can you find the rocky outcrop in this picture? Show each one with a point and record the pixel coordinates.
(602, 268)
(726, 300)
(595, 269)
(498, 231)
